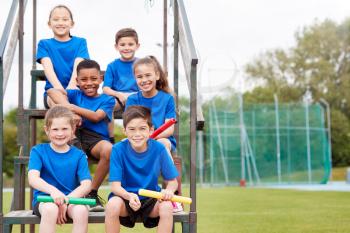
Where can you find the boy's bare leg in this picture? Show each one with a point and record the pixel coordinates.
(111, 124)
(49, 214)
(111, 129)
(115, 208)
(164, 210)
(79, 214)
(101, 151)
(50, 102)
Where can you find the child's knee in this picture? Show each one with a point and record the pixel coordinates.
(114, 206)
(49, 210)
(165, 209)
(105, 150)
(80, 213)
(105, 154)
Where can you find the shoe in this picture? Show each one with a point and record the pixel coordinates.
(99, 203)
(177, 207)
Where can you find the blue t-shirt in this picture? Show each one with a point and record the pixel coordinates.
(140, 170)
(104, 102)
(162, 107)
(65, 171)
(62, 55)
(119, 76)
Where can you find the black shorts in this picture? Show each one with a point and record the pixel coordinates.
(147, 206)
(88, 139)
(36, 209)
(46, 105)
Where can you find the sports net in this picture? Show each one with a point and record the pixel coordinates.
(261, 144)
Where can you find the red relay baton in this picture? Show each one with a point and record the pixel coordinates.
(163, 127)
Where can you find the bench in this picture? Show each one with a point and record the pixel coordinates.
(27, 217)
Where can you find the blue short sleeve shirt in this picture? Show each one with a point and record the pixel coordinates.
(65, 171)
(62, 55)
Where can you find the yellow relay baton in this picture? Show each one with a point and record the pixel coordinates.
(159, 195)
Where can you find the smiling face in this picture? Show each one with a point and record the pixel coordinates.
(60, 132)
(89, 80)
(138, 132)
(127, 47)
(60, 23)
(146, 79)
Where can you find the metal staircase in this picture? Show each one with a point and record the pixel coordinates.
(27, 117)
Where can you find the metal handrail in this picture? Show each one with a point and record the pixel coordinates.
(189, 56)
(9, 40)
(7, 28)
(183, 39)
(3, 43)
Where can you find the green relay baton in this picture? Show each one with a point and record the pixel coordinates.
(71, 200)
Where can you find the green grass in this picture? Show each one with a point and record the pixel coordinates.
(243, 210)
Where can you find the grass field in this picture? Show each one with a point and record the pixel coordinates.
(253, 210)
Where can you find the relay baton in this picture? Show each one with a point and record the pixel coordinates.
(159, 195)
(163, 127)
(71, 200)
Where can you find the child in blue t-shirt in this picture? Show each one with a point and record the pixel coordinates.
(96, 111)
(155, 94)
(60, 171)
(119, 78)
(136, 164)
(61, 54)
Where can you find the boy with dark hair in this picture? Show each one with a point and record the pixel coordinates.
(136, 164)
(119, 80)
(96, 111)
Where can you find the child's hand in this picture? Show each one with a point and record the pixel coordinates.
(77, 120)
(59, 197)
(72, 87)
(70, 107)
(122, 97)
(134, 201)
(167, 194)
(62, 214)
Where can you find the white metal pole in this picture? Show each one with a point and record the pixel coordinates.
(278, 146)
(241, 125)
(200, 155)
(307, 124)
(211, 148)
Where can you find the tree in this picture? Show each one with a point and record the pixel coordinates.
(11, 148)
(320, 60)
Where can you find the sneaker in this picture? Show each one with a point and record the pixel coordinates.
(177, 207)
(99, 203)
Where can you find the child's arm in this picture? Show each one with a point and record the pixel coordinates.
(59, 98)
(170, 189)
(50, 73)
(120, 95)
(83, 189)
(170, 112)
(166, 133)
(36, 182)
(133, 199)
(88, 114)
(73, 82)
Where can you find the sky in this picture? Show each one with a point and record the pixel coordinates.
(227, 34)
